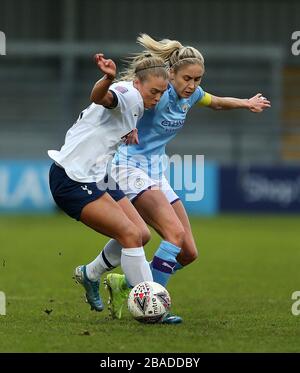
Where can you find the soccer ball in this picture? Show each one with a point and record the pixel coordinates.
(148, 302)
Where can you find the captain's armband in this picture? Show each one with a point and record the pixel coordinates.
(205, 100)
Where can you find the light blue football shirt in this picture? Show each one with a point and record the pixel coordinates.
(156, 128)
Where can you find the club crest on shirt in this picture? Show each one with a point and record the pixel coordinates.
(139, 183)
(185, 107)
(121, 89)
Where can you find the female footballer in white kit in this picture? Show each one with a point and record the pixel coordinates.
(139, 170)
(78, 177)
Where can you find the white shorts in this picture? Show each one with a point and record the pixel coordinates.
(134, 181)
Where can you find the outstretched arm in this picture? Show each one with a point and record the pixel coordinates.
(100, 94)
(256, 104)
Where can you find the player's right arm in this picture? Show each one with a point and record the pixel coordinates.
(100, 94)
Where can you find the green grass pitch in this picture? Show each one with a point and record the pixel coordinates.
(235, 298)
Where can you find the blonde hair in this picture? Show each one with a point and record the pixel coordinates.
(142, 66)
(174, 54)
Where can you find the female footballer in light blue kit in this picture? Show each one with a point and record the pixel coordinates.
(139, 171)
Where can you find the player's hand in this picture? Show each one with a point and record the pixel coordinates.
(258, 103)
(132, 137)
(108, 67)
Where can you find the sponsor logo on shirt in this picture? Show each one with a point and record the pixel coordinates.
(172, 124)
(121, 89)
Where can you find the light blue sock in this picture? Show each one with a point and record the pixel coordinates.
(177, 267)
(164, 262)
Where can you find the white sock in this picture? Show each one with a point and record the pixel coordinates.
(135, 266)
(108, 259)
(112, 252)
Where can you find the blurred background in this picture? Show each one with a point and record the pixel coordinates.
(252, 160)
(237, 296)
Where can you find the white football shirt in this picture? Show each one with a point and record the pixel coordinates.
(93, 140)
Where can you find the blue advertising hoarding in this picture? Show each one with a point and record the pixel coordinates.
(197, 185)
(24, 187)
(204, 189)
(260, 189)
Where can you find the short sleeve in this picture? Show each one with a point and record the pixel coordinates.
(197, 96)
(127, 96)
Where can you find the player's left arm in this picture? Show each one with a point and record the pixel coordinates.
(256, 104)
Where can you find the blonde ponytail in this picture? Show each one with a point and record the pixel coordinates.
(172, 52)
(164, 48)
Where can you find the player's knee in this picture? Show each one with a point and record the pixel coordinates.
(192, 256)
(146, 235)
(188, 256)
(130, 236)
